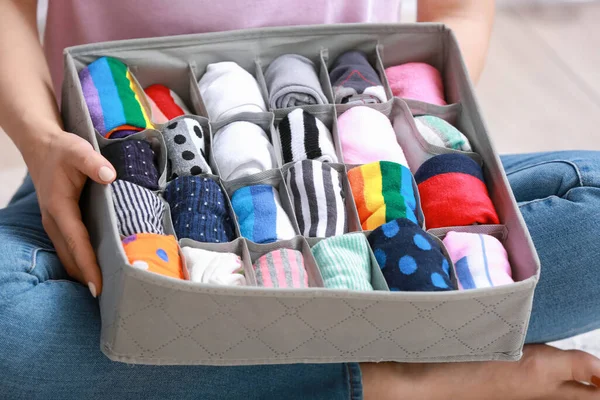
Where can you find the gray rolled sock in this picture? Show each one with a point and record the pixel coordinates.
(292, 81)
(355, 81)
(186, 155)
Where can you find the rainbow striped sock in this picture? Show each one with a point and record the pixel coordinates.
(383, 191)
(113, 97)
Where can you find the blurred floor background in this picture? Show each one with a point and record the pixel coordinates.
(540, 89)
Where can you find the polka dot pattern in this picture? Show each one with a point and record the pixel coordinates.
(134, 161)
(409, 258)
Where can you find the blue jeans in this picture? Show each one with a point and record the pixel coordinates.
(49, 324)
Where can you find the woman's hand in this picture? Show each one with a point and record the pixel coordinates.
(544, 373)
(59, 164)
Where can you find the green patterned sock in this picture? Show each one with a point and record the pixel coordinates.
(344, 262)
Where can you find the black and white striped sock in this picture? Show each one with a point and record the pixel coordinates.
(318, 199)
(305, 137)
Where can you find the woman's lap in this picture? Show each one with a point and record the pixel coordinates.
(49, 325)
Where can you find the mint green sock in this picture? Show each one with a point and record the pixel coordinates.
(344, 262)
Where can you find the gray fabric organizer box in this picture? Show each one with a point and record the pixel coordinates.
(151, 319)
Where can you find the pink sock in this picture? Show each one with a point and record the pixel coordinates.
(417, 81)
(367, 136)
(481, 261)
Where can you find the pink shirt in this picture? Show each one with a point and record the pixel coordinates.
(73, 22)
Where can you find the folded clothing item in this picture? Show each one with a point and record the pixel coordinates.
(165, 104)
(185, 148)
(305, 137)
(481, 261)
(260, 215)
(214, 268)
(355, 81)
(367, 136)
(138, 209)
(292, 81)
(199, 210)
(441, 133)
(344, 262)
(282, 268)
(227, 89)
(453, 192)
(242, 149)
(417, 81)
(154, 253)
(134, 161)
(383, 191)
(409, 258)
(318, 198)
(113, 98)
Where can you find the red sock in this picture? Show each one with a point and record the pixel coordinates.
(165, 100)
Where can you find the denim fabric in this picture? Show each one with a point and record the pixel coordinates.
(50, 325)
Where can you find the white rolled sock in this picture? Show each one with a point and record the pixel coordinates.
(214, 268)
(242, 149)
(227, 89)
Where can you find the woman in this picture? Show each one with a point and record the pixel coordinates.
(49, 323)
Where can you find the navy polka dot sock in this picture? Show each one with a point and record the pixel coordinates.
(185, 148)
(410, 260)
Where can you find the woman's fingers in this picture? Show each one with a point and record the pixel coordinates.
(91, 163)
(577, 391)
(61, 248)
(67, 217)
(584, 366)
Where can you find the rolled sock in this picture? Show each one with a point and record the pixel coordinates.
(409, 258)
(481, 261)
(185, 148)
(417, 81)
(113, 97)
(383, 191)
(242, 149)
(260, 215)
(344, 262)
(282, 268)
(367, 136)
(318, 198)
(138, 209)
(440, 133)
(214, 268)
(227, 89)
(305, 137)
(355, 81)
(134, 161)
(154, 253)
(165, 104)
(453, 192)
(292, 81)
(199, 210)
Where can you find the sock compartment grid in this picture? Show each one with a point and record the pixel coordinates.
(146, 317)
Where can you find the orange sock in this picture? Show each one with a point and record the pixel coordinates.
(154, 253)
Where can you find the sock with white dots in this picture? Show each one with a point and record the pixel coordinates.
(199, 210)
(134, 161)
(186, 151)
(411, 261)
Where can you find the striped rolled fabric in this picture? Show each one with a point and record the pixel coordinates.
(318, 199)
(383, 191)
(282, 268)
(138, 209)
(345, 262)
(113, 98)
(305, 137)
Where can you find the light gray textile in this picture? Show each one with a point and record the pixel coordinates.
(292, 81)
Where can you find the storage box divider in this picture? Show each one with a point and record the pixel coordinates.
(449, 112)
(273, 178)
(500, 232)
(196, 98)
(380, 68)
(315, 280)
(157, 143)
(237, 246)
(262, 82)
